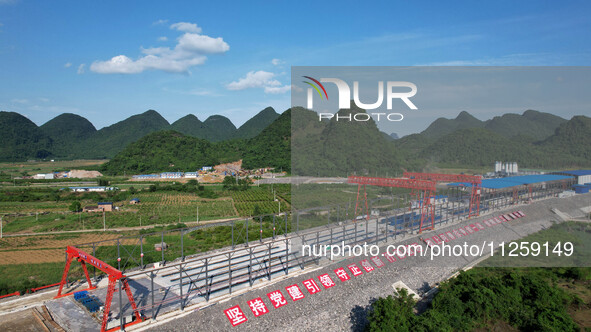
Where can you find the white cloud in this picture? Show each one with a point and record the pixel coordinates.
(190, 50)
(276, 62)
(191, 42)
(277, 89)
(186, 27)
(45, 100)
(160, 22)
(81, 69)
(67, 65)
(259, 79)
(163, 38)
(254, 79)
(20, 101)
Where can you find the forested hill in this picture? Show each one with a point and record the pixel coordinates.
(533, 124)
(568, 147)
(70, 136)
(22, 139)
(297, 141)
(173, 151)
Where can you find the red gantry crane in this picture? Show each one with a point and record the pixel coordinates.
(114, 276)
(474, 180)
(427, 188)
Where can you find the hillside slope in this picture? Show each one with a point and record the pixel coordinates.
(22, 139)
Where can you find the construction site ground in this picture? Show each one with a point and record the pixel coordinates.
(342, 307)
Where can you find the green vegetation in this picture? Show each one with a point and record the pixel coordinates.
(75, 206)
(533, 124)
(197, 241)
(21, 138)
(338, 148)
(480, 146)
(168, 151)
(443, 126)
(257, 123)
(270, 148)
(553, 296)
(231, 183)
(9, 170)
(162, 207)
(218, 128)
(322, 148)
(50, 209)
(393, 313)
(577, 233)
(256, 201)
(23, 277)
(526, 299)
(73, 137)
(172, 151)
(67, 130)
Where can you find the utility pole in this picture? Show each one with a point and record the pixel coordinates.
(197, 213)
(1, 227)
(104, 222)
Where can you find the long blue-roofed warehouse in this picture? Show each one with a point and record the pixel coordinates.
(583, 176)
(519, 189)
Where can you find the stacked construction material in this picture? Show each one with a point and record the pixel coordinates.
(90, 302)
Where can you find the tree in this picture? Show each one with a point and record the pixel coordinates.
(256, 211)
(392, 313)
(229, 183)
(103, 182)
(76, 206)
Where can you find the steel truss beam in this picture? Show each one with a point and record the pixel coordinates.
(474, 180)
(114, 276)
(426, 188)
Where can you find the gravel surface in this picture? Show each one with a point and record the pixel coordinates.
(344, 306)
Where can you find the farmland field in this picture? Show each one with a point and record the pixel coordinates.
(46, 248)
(155, 208)
(258, 200)
(17, 169)
(32, 207)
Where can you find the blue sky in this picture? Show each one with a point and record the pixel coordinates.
(111, 59)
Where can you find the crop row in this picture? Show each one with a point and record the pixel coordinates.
(252, 195)
(257, 208)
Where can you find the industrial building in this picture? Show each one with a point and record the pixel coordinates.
(171, 175)
(582, 176)
(146, 176)
(92, 189)
(517, 189)
(191, 175)
(47, 176)
(506, 168)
